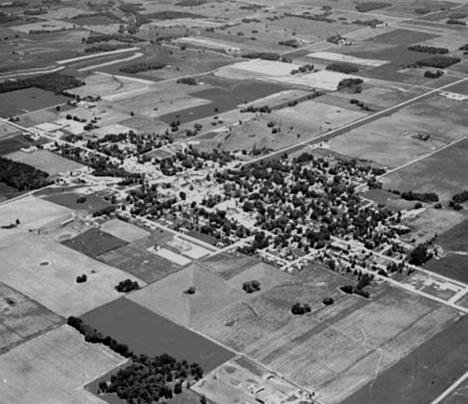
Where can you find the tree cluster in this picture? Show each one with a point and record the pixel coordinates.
(353, 85)
(428, 49)
(438, 62)
(419, 255)
(142, 67)
(127, 286)
(300, 309)
(22, 176)
(107, 47)
(251, 286)
(428, 197)
(346, 68)
(55, 82)
(81, 278)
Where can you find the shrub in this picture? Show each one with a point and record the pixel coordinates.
(433, 74)
(81, 278)
(328, 301)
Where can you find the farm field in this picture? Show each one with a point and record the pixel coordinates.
(7, 130)
(228, 265)
(335, 349)
(439, 173)
(145, 332)
(46, 161)
(22, 318)
(13, 144)
(458, 396)
(69, 199)
(94, 242)
(46, 272)
(125, 231)
(455, 244)
(432, 368)
(212, 292)
(23, 101)
(54, 367)
(390, 140)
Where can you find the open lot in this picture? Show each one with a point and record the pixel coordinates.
(94, 242)
(212, 292)
(391, 140)
(53, 368)
(148, 333)
(123, 230)
(441, 173)
(455, 244)
(69, 199)
(46, 272)
(46, 161)
(21, 318)
(23, 101)
(336, 349)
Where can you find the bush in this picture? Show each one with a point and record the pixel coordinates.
(438, 62)
(427, 49)
(328, 301)
(127, 286)
(251, 286)
(461, 197)
(142, 67)
(191, 81)
(300, 309)
(190, 291)
(433, 74)
(81, 278)
(351, 84)
(347, 68)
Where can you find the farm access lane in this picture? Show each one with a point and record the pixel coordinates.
(354, 124)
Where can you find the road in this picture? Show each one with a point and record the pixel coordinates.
(451, 389)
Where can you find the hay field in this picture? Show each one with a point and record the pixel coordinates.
(212, 292)
(123, 230)
(442, 173)
(46, 272)
(53, 368)
(336, 349)
(46, 161)
(33, 213)
(21, 318)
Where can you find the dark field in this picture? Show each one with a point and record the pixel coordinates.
(92, 204)
(7, 192)
(455, 245)
(93, 20)
(228, 265)
(147, 333)
(13, 144)
(94, 242)
(401, 37)
(226, 96)
(27, 100)
(422, 375)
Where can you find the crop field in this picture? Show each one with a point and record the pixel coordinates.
(46, 161)
(53, 368)
(49, 25)
(336, 349)
(123, 230)
(22, 318)
(228, 265)
(432, 222)
(389, 199)
(46, 272)
(23, 101)
(323, 79)
(94, 242)
(38, 117)
(432, 368)
(13, 144)
(458, 396)
(390, 140)
(137, 259)
(7, 130)
(148, 333)
(455, 244)
(212, 292)
(401, 37)
(438, 173)
(69, 200)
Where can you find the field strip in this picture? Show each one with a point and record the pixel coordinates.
(424, 157)
(450, 389)
(112, 62)
(33, 71)
(77, 59)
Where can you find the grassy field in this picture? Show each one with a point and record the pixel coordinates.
(68, 199)
(123, 230)
(46, 272)
(439, 173)
(53, 368)
(22, 101)
(228, 265)
(7, 130)
(13, 144)
(336, 349)
(22, 318)
(423, 374)
(455, 244)
(212, 293)
(94, 242)
(46, 161)
(145, 332)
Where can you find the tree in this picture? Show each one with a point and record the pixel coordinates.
(203, 400)
(419, 255)
(178, 388)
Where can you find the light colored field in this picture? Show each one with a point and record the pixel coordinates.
(46, 161)
(125, 231)
(6, 129)
(21, 318)
(65, 12)
(112, 129)
(452, 41)
(183, 22)
(337, 57)
(336, 349)
(208, 43)
(172, 256)
(33, 213)
(265, 67)
(53, 368)
(54, 285)
(49, 25)
(323, 79)
(277, 98)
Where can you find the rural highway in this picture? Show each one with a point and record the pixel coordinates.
(354, 124)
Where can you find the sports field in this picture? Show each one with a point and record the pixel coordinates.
(46, 272)
(336, 349)
(53, 368)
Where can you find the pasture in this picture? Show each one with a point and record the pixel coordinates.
(30, 99)
(94, 242)
(46, 161)
(145, 332)
(336, 349)
(439, 173)
(22, 318)
(53, 368)
(46, 272)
